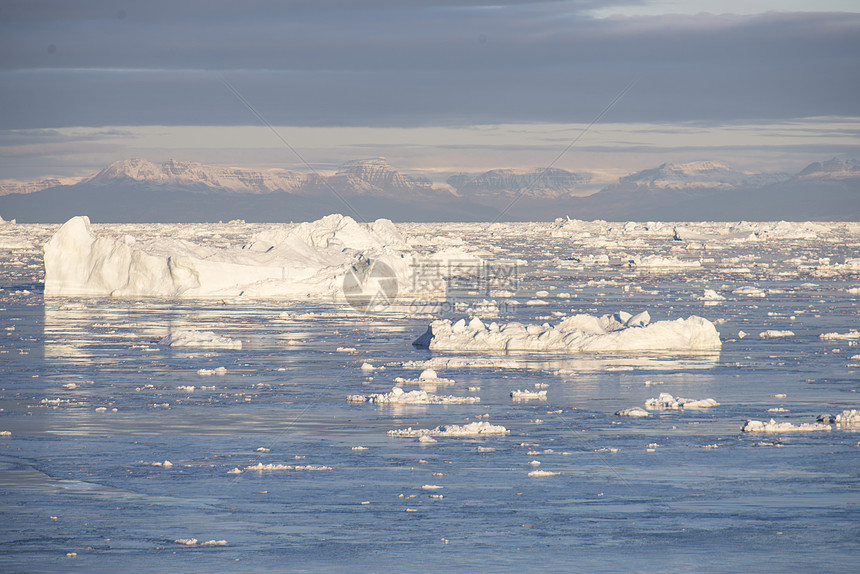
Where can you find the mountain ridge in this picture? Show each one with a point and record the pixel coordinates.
(177, 191)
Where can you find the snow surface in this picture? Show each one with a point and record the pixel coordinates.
(618, 332)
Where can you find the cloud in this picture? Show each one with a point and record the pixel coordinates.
(395, 63)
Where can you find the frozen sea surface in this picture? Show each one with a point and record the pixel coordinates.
(110, 461)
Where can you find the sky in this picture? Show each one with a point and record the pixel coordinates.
(435, 86)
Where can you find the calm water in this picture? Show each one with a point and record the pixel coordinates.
(75, 479)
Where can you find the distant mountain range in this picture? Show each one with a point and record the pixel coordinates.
(137, 190)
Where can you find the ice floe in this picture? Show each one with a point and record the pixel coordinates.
(773, 426)
(667, 401)
(657, 262)
(399, 396)
(191, 338)
(463, 362)
(527, 394)
(711, 295)
(618, 332)
(194, 542)
(775, 334)
(471, 429)
(260, 467)
(850, 335)
(538, 473)
(847, 418)
(633, 412)
(210, 372)
(427, 376)
(749, 292)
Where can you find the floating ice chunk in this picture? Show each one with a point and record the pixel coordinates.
(461, 362)
(186, 541)
(749, 292)
(399, 396)
(667, 401)
(214, 543)
(775, 334)
(773, 426)
(632, 412)
(5, 433)
(848, 418)
(711, 295)
(192, 338)
(186, 388)
(426, 439)
(427, 376)
(367, 367)
(538, 473)
(741, 334)
(470, 429)
(657, 262)
(852, 334)
(573, 334)
(210, 372)
(525, 395)
(277, 466)
(432, 487)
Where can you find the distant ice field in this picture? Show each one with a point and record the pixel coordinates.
(134, 425)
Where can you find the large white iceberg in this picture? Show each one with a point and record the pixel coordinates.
(618, 332)
(324, 257)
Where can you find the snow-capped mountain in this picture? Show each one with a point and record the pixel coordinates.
(360, 177)
(834, 168)
(697, 175)
(137, 190)
(186, 173)
(375, 175)
(8, 186)
(505, 183)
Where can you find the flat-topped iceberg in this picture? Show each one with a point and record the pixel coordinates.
(321, 258)
(617, 332)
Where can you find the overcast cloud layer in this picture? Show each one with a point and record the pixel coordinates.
(396, 63)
